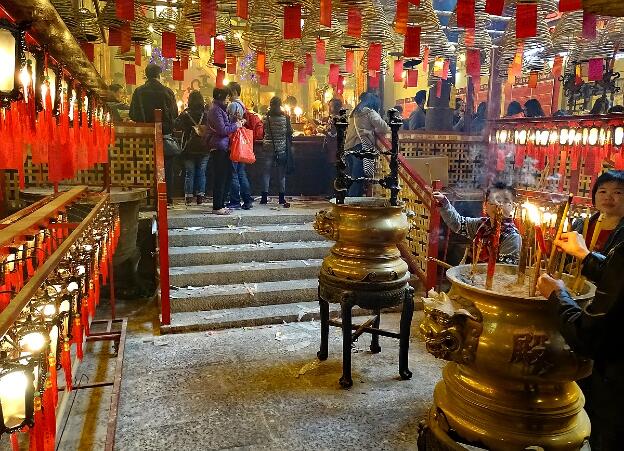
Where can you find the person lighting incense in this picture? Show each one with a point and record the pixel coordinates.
(481, 230)
(553, 263)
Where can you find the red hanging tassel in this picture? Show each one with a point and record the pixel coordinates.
(78, 338)
(49, 414)
(168, 44)
(66, 364)
(84, 313)
(38, 430)
(177, 72)
(589, 25)
(334, 73)
(320, 51)
(220, 77)
(400, 19)
(412, 78)
(309, 64)
(570, 5)
(14, 442)
(349, 61)
(374, 57)
(494, 7)
(130, 74)
(124, 9)
(219, 52)
(231, 65)
(53, 377)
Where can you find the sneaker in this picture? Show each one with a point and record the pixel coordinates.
(234, 206)
(247, 206)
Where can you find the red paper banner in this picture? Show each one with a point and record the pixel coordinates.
(349, 61)
(557, 67)
(425, 61)
(292, 22)
(533, 77)
(208, 16)
(340, 85)
(412, 78)
(473, 63)
(130, 73)
(231, 65)
(374, 57)
(168, 44)
(400, 19)
(201, 37)
(595, 69)
(445, 70)
(124, 9)
(242, 9)
(589, 25)
(354, 23)
(89, 49)
(469, 37)
(466, 13)
(114, 37)
(219, 52)
(334, 73)
(126, 38)
(177, 72)
(288, 71)
(373, 81)
(526, 20)
(220, 78)
(438, 88)
(415, 2)
(137, 54)
(309, 64)
(411, 44)
(184, 62)
(260, 62)
(494, 7)
(320, 51)
(263, 77)
(398, 71)
(326, 13)
(302, 75)
(570, 5)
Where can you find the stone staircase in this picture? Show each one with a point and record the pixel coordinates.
(252, 268)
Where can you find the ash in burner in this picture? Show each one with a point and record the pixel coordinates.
(503, 283)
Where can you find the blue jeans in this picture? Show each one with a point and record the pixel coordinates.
(240, 188)
(195, 174)
(355, 168)
(267, 167)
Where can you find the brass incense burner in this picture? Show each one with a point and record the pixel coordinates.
(510, 381)
(364, 267)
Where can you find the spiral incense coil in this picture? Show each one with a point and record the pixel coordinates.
(615, 29)
(69, 14)
(167, 20)
(376, 27)
(567, 31)
(438, 45)
(233, 45)
(263, 29)
(184, 36)
(88, 26)
(601, 47)
(423, 16)
(223, 24)
(287, 51)
(125, 56)
(335, 52)
(108, 15)
(139, 26)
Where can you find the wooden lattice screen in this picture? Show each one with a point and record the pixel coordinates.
(131, 166)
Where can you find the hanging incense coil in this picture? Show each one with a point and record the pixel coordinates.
(108, 16)
(125, 56)
(567, 31)
(184, 36)
(601, 47)
(615, 29)
(263, 29)
(376, 28)
(69, 14)
(423, 16)
(335, 52)
(223, 24)
(233, 45)
(139, 26)
(167, 20)
(88, 26)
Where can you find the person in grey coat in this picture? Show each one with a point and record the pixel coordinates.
(276, 145)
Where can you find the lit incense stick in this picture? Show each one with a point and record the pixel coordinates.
(552, 265)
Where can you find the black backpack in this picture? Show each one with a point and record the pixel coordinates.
(192, 140)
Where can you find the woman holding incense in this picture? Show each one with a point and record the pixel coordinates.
(608, 222)
(595, 332)
(481, 230)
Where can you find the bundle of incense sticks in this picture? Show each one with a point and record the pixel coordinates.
(494, 248)
(553, 261)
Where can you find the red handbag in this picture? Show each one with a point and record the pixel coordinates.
(241, 146)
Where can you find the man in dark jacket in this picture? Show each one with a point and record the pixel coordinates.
(146, 99)
(417, 118)
(595, 333)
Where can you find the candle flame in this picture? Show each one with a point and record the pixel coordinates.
(532, 213)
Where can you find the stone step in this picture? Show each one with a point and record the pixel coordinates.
(245, 253)
(201, 236)
(252, 272)
(253, 217)
(215, 297)
(254, 316)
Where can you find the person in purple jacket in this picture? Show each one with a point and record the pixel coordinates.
(218, 131)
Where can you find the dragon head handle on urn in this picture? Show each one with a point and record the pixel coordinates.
(324, 225)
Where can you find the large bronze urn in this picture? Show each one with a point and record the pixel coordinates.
(510, 381)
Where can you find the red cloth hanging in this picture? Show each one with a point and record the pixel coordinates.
(292, 22)
(354, 22)
(526, 20)
(177, 73)
(557, 66)
(494, 7)
(309, 64)
(334, 73)
(184, 62)
(320, 51)
(302, 75)
(326, 13)
(263, 77)
(340, 85)
(220, 78)
(445, 70)
(288, 71)
(469, 37)
(137, 54)
(114, 37)
(425, 60)
(349, 61)
(570, 5)
(412, 78)
(374, 57)
(242, 9)
(400, 19)
(466, 13)
(89, 50)
(126, 38)
(66, 364)
(411, 44)
(219, 52)
(168, 44)
(415, 2)
(398, 71)
(260, 62)
(208, 17)
(124, 9)
(130, 74)
(589, 25)
(438, 88)
(231, 65)
(201, 36)
(595, 69)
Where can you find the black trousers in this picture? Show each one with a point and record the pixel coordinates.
(221, 178)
